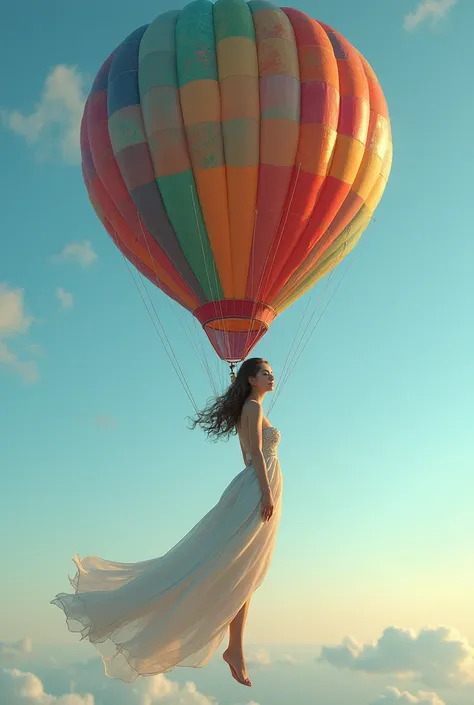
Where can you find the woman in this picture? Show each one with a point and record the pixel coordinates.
(149, 617)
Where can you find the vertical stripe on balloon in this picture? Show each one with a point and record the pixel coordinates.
(166, 136)
(111, 192)
(237, 65)
(130, 146)
(367, 188)
(336, 205)
(201, 110)
(320, 102)
(158, 270)
(279, 131)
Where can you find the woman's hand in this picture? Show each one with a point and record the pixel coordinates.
(267, 506)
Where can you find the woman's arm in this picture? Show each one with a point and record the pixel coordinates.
(255, 417)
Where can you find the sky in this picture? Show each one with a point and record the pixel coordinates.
(372, 579)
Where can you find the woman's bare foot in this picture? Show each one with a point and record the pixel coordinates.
(236, 663)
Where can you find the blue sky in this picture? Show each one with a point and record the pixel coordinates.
(376, 418)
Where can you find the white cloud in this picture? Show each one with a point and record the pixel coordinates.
(433, 10)
(14, 322)
(161, 691)
(55, 121)
(13, 319)
(16, 648)
(19, 688)
(259, 658)
(65, 298)
(438, 657)
(84, 683)
(393, 696)
(80, 252)
(263, 658)
(27, 370)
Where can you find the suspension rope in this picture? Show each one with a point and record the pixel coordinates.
(297, 355)
(202, 359)
(252, 275)
(296, 341)
(162, 335)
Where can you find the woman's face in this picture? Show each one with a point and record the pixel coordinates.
(263, 380)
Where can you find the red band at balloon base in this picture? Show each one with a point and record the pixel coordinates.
(234, 326)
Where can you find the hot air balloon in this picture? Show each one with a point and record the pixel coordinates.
(235, 152)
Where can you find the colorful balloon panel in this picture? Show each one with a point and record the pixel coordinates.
(235, 153)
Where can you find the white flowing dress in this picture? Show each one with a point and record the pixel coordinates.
(149, 617)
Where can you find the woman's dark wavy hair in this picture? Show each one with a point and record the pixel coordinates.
(221, 416)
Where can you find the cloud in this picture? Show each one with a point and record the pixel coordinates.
(259, 658)
(80, 252)
(84, 683)
(104, 421)
(393, 696)
(16, 648)
(433, 10)
(65, 298)
(161, 691)
(438, 657)
(14, 322)
(13, 319)
(28, 370)
(20, 688)
(55, 122)
(262, 658)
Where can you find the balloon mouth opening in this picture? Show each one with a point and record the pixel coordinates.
(234, 326)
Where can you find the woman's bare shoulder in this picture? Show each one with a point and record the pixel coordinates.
(252, 410)
(252, 406)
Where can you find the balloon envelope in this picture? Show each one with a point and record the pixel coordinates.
(235, 152)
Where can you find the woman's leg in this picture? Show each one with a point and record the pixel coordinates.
(234, 655)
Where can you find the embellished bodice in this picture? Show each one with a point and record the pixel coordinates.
(270, 440)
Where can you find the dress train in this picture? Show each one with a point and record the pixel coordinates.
(149, 617)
